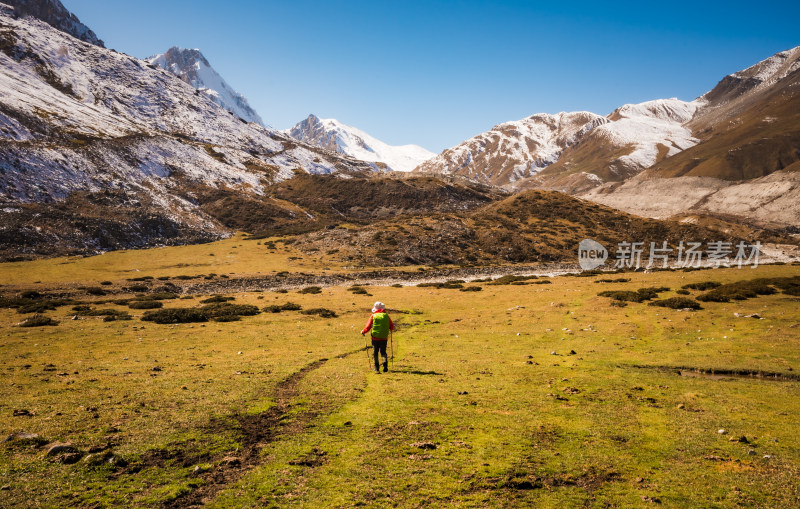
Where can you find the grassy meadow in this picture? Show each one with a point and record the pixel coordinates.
(537, 394)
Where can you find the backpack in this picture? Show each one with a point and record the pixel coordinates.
(380, 325)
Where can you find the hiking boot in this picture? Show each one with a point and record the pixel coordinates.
(377, 371)
(385, 367)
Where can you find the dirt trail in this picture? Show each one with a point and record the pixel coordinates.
(258, 431)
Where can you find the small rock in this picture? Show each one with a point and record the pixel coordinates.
(239, 353)
(681, 406)
(767, 456)
(751, 452)
(462, 393)
(156, 368)
(22, 413)
(722, 432)
(184, 388)
(348, 423)
(5, 488)
(93, 460)
(553, 353)
(573, 352)
(200, 470)
(60, 448)
(640, 479)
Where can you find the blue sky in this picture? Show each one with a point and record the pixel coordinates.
(435, 73)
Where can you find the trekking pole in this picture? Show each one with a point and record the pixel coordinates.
(391, 340)
(369, 359)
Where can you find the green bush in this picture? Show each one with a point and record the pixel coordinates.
(158, 296)
(358, 290)
(216, 299)
(289, 306)
(324, 313)
(96, 290)
(225, 309)
(138, 288)
(313, 290)
(741, 290)
(702, 286)
(677, 303)
(682, 292)
(471, 289)
(176, 315)
(449, 285)
(639, 295)
(507, 280)
(38, 321)
(617, 280)
(145, 304)
(30, 294)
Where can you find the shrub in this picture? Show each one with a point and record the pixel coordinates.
(36, 307)
(471, 289)
(38, 321)
(740, 290)
(682, 292)
(138, 288)
(220, 311)
(176, 315)
(449, 285)
(289, 306)
(617, 280)
(324, 313)
(677, 303)
(30, 294)
(141, 278)
(357, 290)
(639, 295)
(507, 280)
(702, 286)
(619, 303)
(313, 290)
(216, 299)
(159, 296)
(106, 283)
(145, 304)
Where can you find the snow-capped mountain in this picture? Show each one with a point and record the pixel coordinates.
(337, 137)
(575, 152)
(193, 68)
(78, 121)
(56, 15)
(514, 150)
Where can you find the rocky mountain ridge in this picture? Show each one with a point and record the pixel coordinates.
(337, 137)
(192, 67)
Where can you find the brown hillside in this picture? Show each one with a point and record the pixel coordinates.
(533, 226)
(762, 140)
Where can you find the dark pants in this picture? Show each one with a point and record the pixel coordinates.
(379, 345)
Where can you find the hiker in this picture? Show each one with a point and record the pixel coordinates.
(379, 324)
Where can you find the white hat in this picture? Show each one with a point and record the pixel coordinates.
(378, 306)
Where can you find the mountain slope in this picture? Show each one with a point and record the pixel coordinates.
(532, 226)
(56, 15)
(529, 154)
(335, 136)
(193, 68)
(514, 150)
(78, 120)
(747, 162)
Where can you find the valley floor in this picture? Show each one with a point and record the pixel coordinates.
(539, 393)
